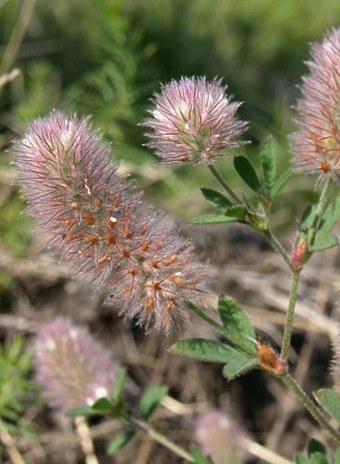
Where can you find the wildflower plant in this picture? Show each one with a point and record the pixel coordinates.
(104, 230)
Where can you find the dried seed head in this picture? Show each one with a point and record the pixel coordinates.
(316, 143)
(101, 227)
(72, 368)
(193, 121)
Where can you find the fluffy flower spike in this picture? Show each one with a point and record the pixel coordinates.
(101, 227)
(220, 438)
(193, 121)
(316, 143)
(72, 368)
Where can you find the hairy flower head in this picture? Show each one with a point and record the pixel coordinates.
(219, 437)
(72, 368)
(193, 121)
(101, 227)
(316, 143)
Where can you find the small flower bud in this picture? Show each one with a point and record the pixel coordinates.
(193, 121)
(316, 143)
(300, 254)
(72, 368)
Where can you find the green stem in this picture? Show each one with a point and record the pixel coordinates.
(307, 402)
(222, 182)
(162, 440)
(320, 208)
(202, 315)
(277, 245)
(287, 335)
(268, 233)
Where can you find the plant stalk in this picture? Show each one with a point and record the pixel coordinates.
(161, 439)
(277, 245)
(313, 409)
(223, 183)
(320, 208)
(288, 329)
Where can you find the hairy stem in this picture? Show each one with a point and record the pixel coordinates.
(288, 329)
(309, 404)
(277, 245)
(223, 183)
(320, 208)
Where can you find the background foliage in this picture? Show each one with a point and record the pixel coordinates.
(106, 58)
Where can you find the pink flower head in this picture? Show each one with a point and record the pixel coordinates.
(101, 227)
(316, 143)
(193, 121)
(219, 437)
(72, 368)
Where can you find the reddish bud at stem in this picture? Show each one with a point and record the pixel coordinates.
(269, 360)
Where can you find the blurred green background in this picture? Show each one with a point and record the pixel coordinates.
(107, 57)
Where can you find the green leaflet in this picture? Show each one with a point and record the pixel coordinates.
(330, 401)
(247, 172)
(239, 364)
(213, 219)
(237, 323)
(204, 350)
(120, 440)
(216, 198)
(151, 399)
